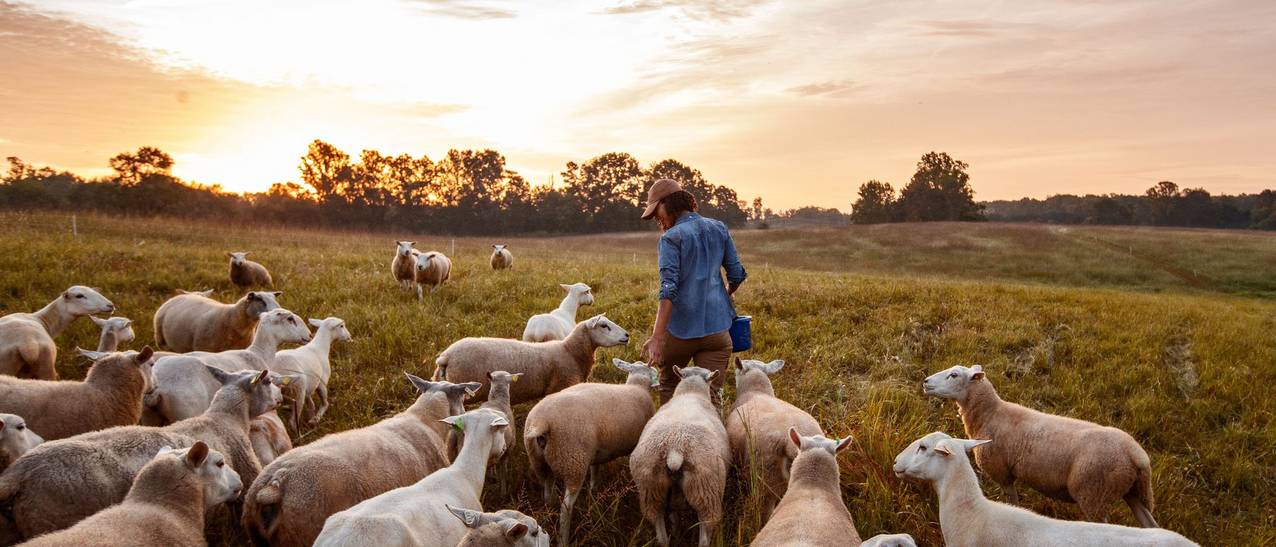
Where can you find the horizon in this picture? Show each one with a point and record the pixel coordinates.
(785, 102)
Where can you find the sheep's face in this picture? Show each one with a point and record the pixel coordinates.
(952, 383)
(237, 259)
(605, 333)
(475, 422)
(818, 442)
(504, 527)
(15, 437)
(221, 482)
(263, 391)
(536, 536)
(119, 327)
(287, 326)
(640, 368)
(145, 362)
(405, 248)
(891, 540)
(583, 294)
(335, 325)
(915, 462)
(260, 302)
(496, 249)
(423, 260)
(500, 377)
(80, 300)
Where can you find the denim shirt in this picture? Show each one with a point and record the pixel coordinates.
(692, 254)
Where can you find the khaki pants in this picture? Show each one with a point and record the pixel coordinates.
(711, 352)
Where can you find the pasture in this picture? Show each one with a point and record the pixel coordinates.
(1166, 334)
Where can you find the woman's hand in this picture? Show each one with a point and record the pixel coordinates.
(654, 349)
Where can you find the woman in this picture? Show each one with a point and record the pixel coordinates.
(695, 308)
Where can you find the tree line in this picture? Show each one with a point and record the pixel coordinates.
(463, 192)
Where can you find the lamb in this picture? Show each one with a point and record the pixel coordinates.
(245, 273)
(417, 514)
(556, 325)
(683, 450)
(60, 483)
(758, 426)
(312, 369)
(193, 322)
(110, 395)
(27, 349)
(890, 540)
(433, 269)
(165, 505)
(547, 367)
(1063, 458)
(15, 439)
(567, 438)
(115, 331)
(291, 498)
(501, 257)
(183, 386)
(499, 529)
(967, 518)
(814, 495)
(498, 400)
(404, 264)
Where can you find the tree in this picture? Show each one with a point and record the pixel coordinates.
(131, 168)
(1263, 215)
(1195, 207)
(876, 203)
(1110, 211)
(326, 169)
(614, 179)
(1162, 197)
(757, 209)
(939, 190)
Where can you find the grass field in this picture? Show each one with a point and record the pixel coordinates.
(1166, 334)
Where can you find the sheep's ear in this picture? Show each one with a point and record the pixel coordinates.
(455, 422)
(489, 376)
(164, 450)
(565, 287)
(793, 436)
(942, 448)
(842, 444)
(977, 373)
(144, 355)
(970, 444)
(197, 454)
(285, 380)
(92, 355)
(263, 377)
(593, 321)
(422, 385)
(128, 323)
(470, 518)
(739, 365)
(494, 246)
(677, 370)
(471, 388)
(621, 364)
(315, 322)
(219, 375)
(515, 531)
(499, 422)
(98, 322)
(712, 374)
(229, 255)
(774, 366)
(278, 293)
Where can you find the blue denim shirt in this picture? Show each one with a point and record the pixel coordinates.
(692, 254)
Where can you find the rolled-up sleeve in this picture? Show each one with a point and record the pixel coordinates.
(731, 262)
(669, 268)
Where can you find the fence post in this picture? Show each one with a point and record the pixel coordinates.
(75, 231)
(453, 251)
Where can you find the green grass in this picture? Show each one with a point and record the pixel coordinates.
(1064, 320)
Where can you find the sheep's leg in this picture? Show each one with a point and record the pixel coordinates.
(702, 486)
(1141, 512)
(295, 413)
(419, 295)
(548, 491)
(1011, 492)
(565, 515)
(323, 404)
(662, 534)
(593, 476)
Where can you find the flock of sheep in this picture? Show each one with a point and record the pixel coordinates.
(150, 441)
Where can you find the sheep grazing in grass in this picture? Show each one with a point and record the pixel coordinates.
(814, 495)
(547, 367)
(432, 269)
(501, 257)
(246, 274)
(15, 439)
(683, 453)
(289, 502)
(567, 438)
(418, 514)
(890, 540)
(968, 519)
(115, 331)
(193, 322)
(556, 325)
(312, 369)
(404, 264)
(164, 507)
(504, 528)
(1066, 459)
(758, 427)
(110, 395)
(183, 385)
(27, 349)
(60, 483)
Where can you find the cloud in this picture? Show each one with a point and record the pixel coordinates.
(464, 9)
(831, 88)
(715, 10)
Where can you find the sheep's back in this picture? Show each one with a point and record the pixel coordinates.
(470, 359)
(764, 422)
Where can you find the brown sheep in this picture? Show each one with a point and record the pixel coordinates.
(246, 274)
(27, 349)
(193, 322)
(111, 395)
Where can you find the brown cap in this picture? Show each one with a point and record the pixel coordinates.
(659, 190)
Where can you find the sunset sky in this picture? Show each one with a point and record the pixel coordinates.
(798, 101)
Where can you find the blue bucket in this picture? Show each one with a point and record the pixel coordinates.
(741, 333)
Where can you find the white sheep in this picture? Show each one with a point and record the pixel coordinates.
(1064, 458)
(403, 267)
(312, 369)
(968, 519)
(758, 427)
(191, 321)
(15, 439)
(288, 503)
(501, 257)
(418, 514)
(183, 386)
(890, 540)
(115, 331)
(110, 395)
(498, 400)
(27, 349)
(814, 495)
(567, 438)
(245, 273)
(556, 325)
(504, 528)
(683, 451)
(547, 367)
(433, 269)
(165, 505)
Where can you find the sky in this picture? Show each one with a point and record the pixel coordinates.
(798, 102)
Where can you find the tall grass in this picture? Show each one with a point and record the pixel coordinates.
(1116, 348)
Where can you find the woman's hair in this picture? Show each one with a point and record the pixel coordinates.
(678, 202)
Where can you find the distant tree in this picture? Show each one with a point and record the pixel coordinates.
(411, 181)
(470, 178)
(1110, 211)
(939, 190)
(811, 214)
(876, 203)
(1162, 197)
(131, 168)
(1195, 207)
(327, 170)
(715, 202)
(757, 209)
(614, 179)
(1263, 215)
